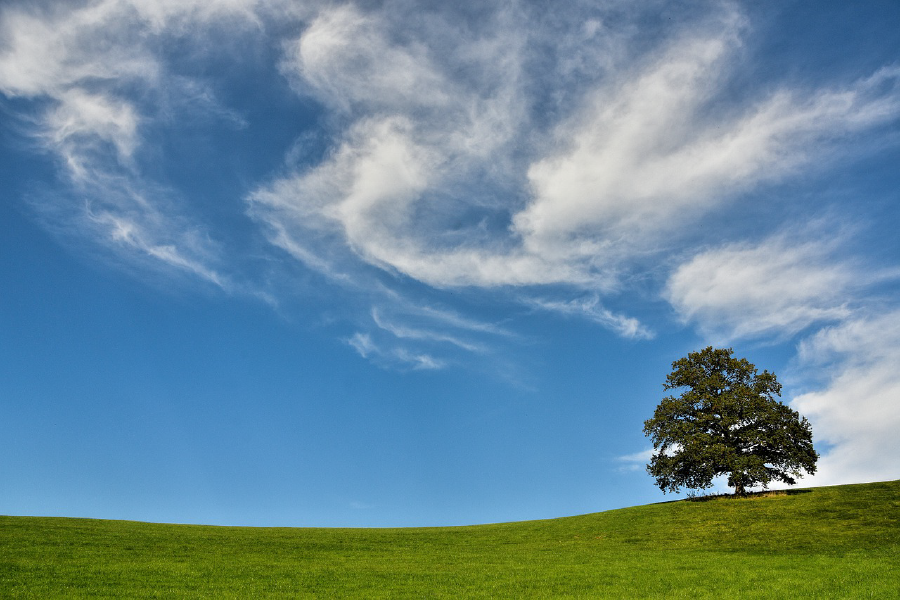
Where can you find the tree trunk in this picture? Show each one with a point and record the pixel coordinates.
(739, 488)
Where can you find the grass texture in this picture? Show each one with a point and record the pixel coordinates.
(833, 542)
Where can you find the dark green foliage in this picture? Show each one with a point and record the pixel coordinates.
(727, 421)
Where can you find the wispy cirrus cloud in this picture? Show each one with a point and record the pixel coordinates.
(636, 461)
(346, 59)
(407, 332)
(95, 73)
(591, 309)
(393, 355)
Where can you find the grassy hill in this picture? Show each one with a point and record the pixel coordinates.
(835, 542)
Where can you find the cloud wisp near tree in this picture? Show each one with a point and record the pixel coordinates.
(727, 421)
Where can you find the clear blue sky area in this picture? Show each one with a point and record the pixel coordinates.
(404, 263)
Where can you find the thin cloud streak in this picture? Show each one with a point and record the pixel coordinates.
(411, 333)
(637, 461)
(457, 321)
(590, 309)
(396, 357)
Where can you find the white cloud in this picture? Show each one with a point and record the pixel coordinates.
(363, 194)
(448, 318)
(613, 169)
(592, 310)
(345, 58)
(415, 130)
(134, 236)
(47, 53)
(166, 14)
(775, 288)
(858, 411)
(81, 120)
(415, 333)
(419, 361)
(83, 64)
(409, 333)
(362, 343)
(636, 461)
(648, 152)
(394, 356)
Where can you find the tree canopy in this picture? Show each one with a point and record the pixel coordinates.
(726, 421)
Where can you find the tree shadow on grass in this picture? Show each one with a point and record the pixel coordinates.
(747, 496)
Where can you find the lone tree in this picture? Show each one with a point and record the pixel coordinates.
(726, 421)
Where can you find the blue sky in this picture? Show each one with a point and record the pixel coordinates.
(402, 263)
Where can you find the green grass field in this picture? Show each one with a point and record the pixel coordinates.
(835, 542)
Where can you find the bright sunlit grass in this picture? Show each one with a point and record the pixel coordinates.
(835, 542)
